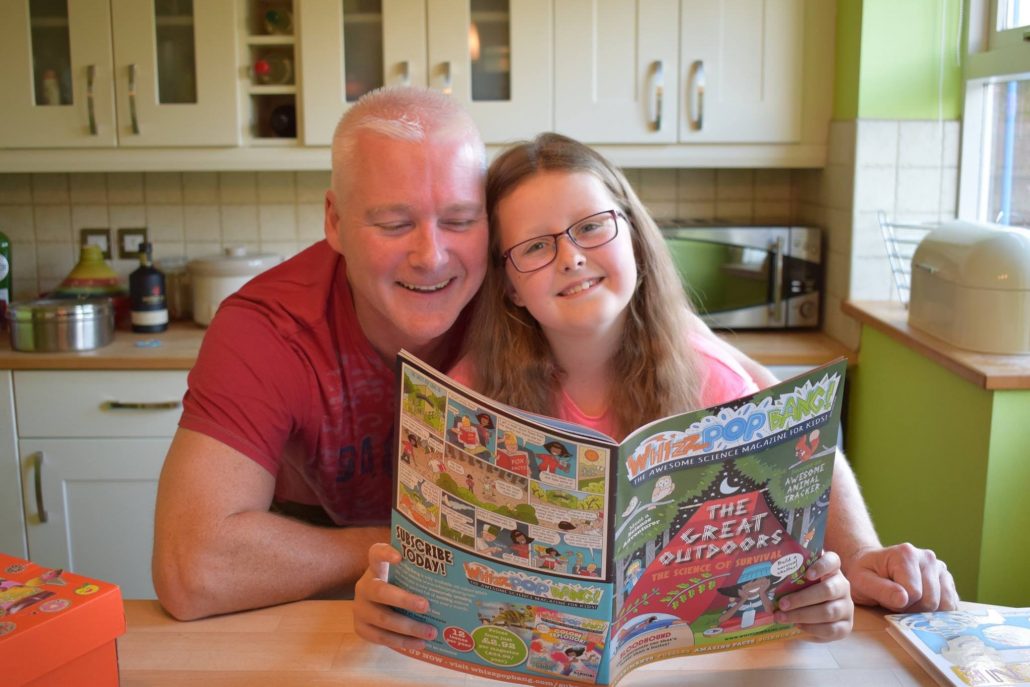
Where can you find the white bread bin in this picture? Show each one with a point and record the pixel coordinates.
(971, 287)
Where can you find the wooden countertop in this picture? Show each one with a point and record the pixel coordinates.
(176, 350)
(986, 370)
(313, 643)
(178, 347)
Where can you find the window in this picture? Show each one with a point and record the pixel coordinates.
(995, 175)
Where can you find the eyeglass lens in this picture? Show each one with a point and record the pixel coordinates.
(589, 232)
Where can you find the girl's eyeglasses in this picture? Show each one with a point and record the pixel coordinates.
(540, 251)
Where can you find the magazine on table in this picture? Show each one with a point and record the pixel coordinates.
(553, 555)
(971, 647)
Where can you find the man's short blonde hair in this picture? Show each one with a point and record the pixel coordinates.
(403, 113)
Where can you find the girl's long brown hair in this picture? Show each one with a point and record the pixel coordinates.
(657, 372)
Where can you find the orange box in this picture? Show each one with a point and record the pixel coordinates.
(57, 628)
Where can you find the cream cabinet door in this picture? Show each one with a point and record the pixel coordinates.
(616, 70)
(505, 82)
(175, 73)
(12, 519)
(90, 507)
(495, 57)
(56, 75)
(741, 71)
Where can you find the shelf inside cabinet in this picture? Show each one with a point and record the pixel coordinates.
(272, 89)
(271, 40)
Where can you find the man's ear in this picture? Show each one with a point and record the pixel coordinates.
(332, 221)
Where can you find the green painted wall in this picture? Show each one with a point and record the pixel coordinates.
(944, 464)
(918, 440)
(1006, 514)
(898, 59)
(848, 56)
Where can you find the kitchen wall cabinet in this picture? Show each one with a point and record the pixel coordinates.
(493, 56)
(689, 71)
(104, 73)
(91, 445)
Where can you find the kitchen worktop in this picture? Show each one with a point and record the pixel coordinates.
(313, 642)
(176, 349)
(986, 370)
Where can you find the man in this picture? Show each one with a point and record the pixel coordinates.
(286, 428)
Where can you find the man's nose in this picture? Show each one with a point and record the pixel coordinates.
(428, 251)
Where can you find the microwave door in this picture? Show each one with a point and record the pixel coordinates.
(732, 284)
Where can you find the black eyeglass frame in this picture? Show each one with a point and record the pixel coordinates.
(614, 212)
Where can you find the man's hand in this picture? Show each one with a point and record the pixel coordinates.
(824, 610)
(901, 578)
(374, 619)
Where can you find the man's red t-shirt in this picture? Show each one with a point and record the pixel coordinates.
(286, 376)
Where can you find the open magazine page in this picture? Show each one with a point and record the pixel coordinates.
(718, 514)
(973, 647)
(502, 525)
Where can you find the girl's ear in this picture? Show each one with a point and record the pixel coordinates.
(512, 294)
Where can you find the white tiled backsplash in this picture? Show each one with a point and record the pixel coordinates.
(198, 213)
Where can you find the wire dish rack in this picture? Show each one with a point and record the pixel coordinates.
(901, 241)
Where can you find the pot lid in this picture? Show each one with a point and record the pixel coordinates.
(234, 261)
(60, 309)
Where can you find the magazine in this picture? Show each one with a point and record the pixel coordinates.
(986, 645)
(553, 555)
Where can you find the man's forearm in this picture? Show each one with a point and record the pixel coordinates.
(849, 528)
(255, 559)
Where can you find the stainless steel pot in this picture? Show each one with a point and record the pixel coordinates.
(55, 324)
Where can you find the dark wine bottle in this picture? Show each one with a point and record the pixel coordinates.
(283, 121)
(147, 294)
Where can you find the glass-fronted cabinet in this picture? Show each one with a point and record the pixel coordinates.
(271, 84)
(494, 56)
(101, 73)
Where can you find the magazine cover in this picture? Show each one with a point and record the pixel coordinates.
(553, 555)
(968, 648)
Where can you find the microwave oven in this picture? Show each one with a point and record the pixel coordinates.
(749, 277)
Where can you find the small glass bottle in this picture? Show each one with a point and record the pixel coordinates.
(147, 294)
(279, 21)
(273, 68)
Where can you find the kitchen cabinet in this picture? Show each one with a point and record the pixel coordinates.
(91, 445)
(105, 73)
(688, 71)
(493, 56)
(12, 519)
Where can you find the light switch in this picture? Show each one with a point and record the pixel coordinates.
(97, 237)
(129, 240)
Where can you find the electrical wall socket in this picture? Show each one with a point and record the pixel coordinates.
(98, 237)
(129, 240)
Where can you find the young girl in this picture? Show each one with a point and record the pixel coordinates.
(595, 329)
(583, 292)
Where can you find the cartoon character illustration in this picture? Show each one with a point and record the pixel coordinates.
(752, 593)
(549, 558)
(408, 448)
(436, 466)
(485, 542)
(511, 457)
(484, 428)
(806, 446)
(568, 659)
(470, 482)
(520, 542)
(552, 460)
(662, 489)
(465, 434)
(17, 596)
(633, 573)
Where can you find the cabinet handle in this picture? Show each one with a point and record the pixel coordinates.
(447, 78)
(132, 99)
(697, 85)
(140, 405)
(37, 470)
(659, 93)
(777, 251)
(91, 75)
(405, 73)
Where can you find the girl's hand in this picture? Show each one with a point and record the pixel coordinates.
(375, 619)
(825, 610)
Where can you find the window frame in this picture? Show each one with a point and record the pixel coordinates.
(992, 56)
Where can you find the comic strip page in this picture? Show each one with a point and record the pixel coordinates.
(502, 525)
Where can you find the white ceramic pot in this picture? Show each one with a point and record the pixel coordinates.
(216, 277)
